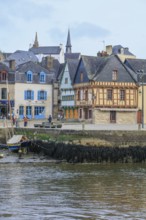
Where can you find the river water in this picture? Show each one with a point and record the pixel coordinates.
(42, 191)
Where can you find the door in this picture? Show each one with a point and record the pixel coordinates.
(112, 116)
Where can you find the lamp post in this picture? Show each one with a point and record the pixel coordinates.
(141, 75)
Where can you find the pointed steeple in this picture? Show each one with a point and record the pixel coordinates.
(68, 43)
(36, 43)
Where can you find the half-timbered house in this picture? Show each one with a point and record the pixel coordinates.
(106, 91)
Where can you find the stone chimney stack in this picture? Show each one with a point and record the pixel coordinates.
(109, 49)
(49, 62)
(12, 65)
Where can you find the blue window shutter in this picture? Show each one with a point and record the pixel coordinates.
(38, 95)
(25, 95)
(45, 95)
(32, 95)
(44, 77)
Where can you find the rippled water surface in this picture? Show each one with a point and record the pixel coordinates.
(66, 191)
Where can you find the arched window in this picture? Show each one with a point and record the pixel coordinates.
(42, 95)
(42, 77)
(29, 76)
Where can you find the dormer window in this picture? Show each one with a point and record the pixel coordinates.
(29, 76)
(3, 76)
(115, 75)
(42, 77)
(66, 80)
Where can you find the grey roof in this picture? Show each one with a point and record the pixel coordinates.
(118, 48)
(93, 65)
(35, 69)
(21, 56)
(111, 63)
(137, 65)
(101, 69)
(72, 67)
(72, 56)
(46, 50)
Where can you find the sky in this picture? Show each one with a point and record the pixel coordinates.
(93, 24)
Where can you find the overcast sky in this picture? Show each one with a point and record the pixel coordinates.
(92, 23)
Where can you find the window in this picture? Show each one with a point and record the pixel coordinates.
(109, 94)
(3, 76)
(21, 110)
(78, 95)
(115, 75)
(39, 110)
(90, 113)
(29, 94)
(29, 76)
(122, 94)
(66, 80)
(81, 77)
(86, 95)
(80, 113)
(42, 95)
(42, 77)
(28, 110)
(4, 93)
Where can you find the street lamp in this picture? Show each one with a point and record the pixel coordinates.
(141, 75)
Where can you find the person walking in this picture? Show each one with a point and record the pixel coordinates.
(25, 119)
(50, 119)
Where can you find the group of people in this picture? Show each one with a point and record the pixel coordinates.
(15, 120)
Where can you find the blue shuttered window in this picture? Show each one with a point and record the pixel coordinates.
(29, 76)
(42, 77)
(42, 95)
(29, 94)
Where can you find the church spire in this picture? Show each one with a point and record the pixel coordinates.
(68, 43)
(36, 43)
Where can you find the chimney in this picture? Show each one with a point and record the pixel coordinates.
(109, 49)
(12, 65)
(49, 62)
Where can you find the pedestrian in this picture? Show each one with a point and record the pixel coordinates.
(13, 119)
(50, 119)
(25, 119)
(17, 121)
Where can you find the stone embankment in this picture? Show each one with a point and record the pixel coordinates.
(95, 146)
(88, 146)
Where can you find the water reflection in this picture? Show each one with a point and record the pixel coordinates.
(66, 191)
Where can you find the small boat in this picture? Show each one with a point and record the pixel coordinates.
(1, 156)
(17, 142)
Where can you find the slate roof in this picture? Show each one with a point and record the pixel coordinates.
(46, 50)
(36, 69)
(101, 69)
(137, 65)
(72, 56)
(21, 56)
(93, 65)
(111, 63)
(72, 67)
(117, 50)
